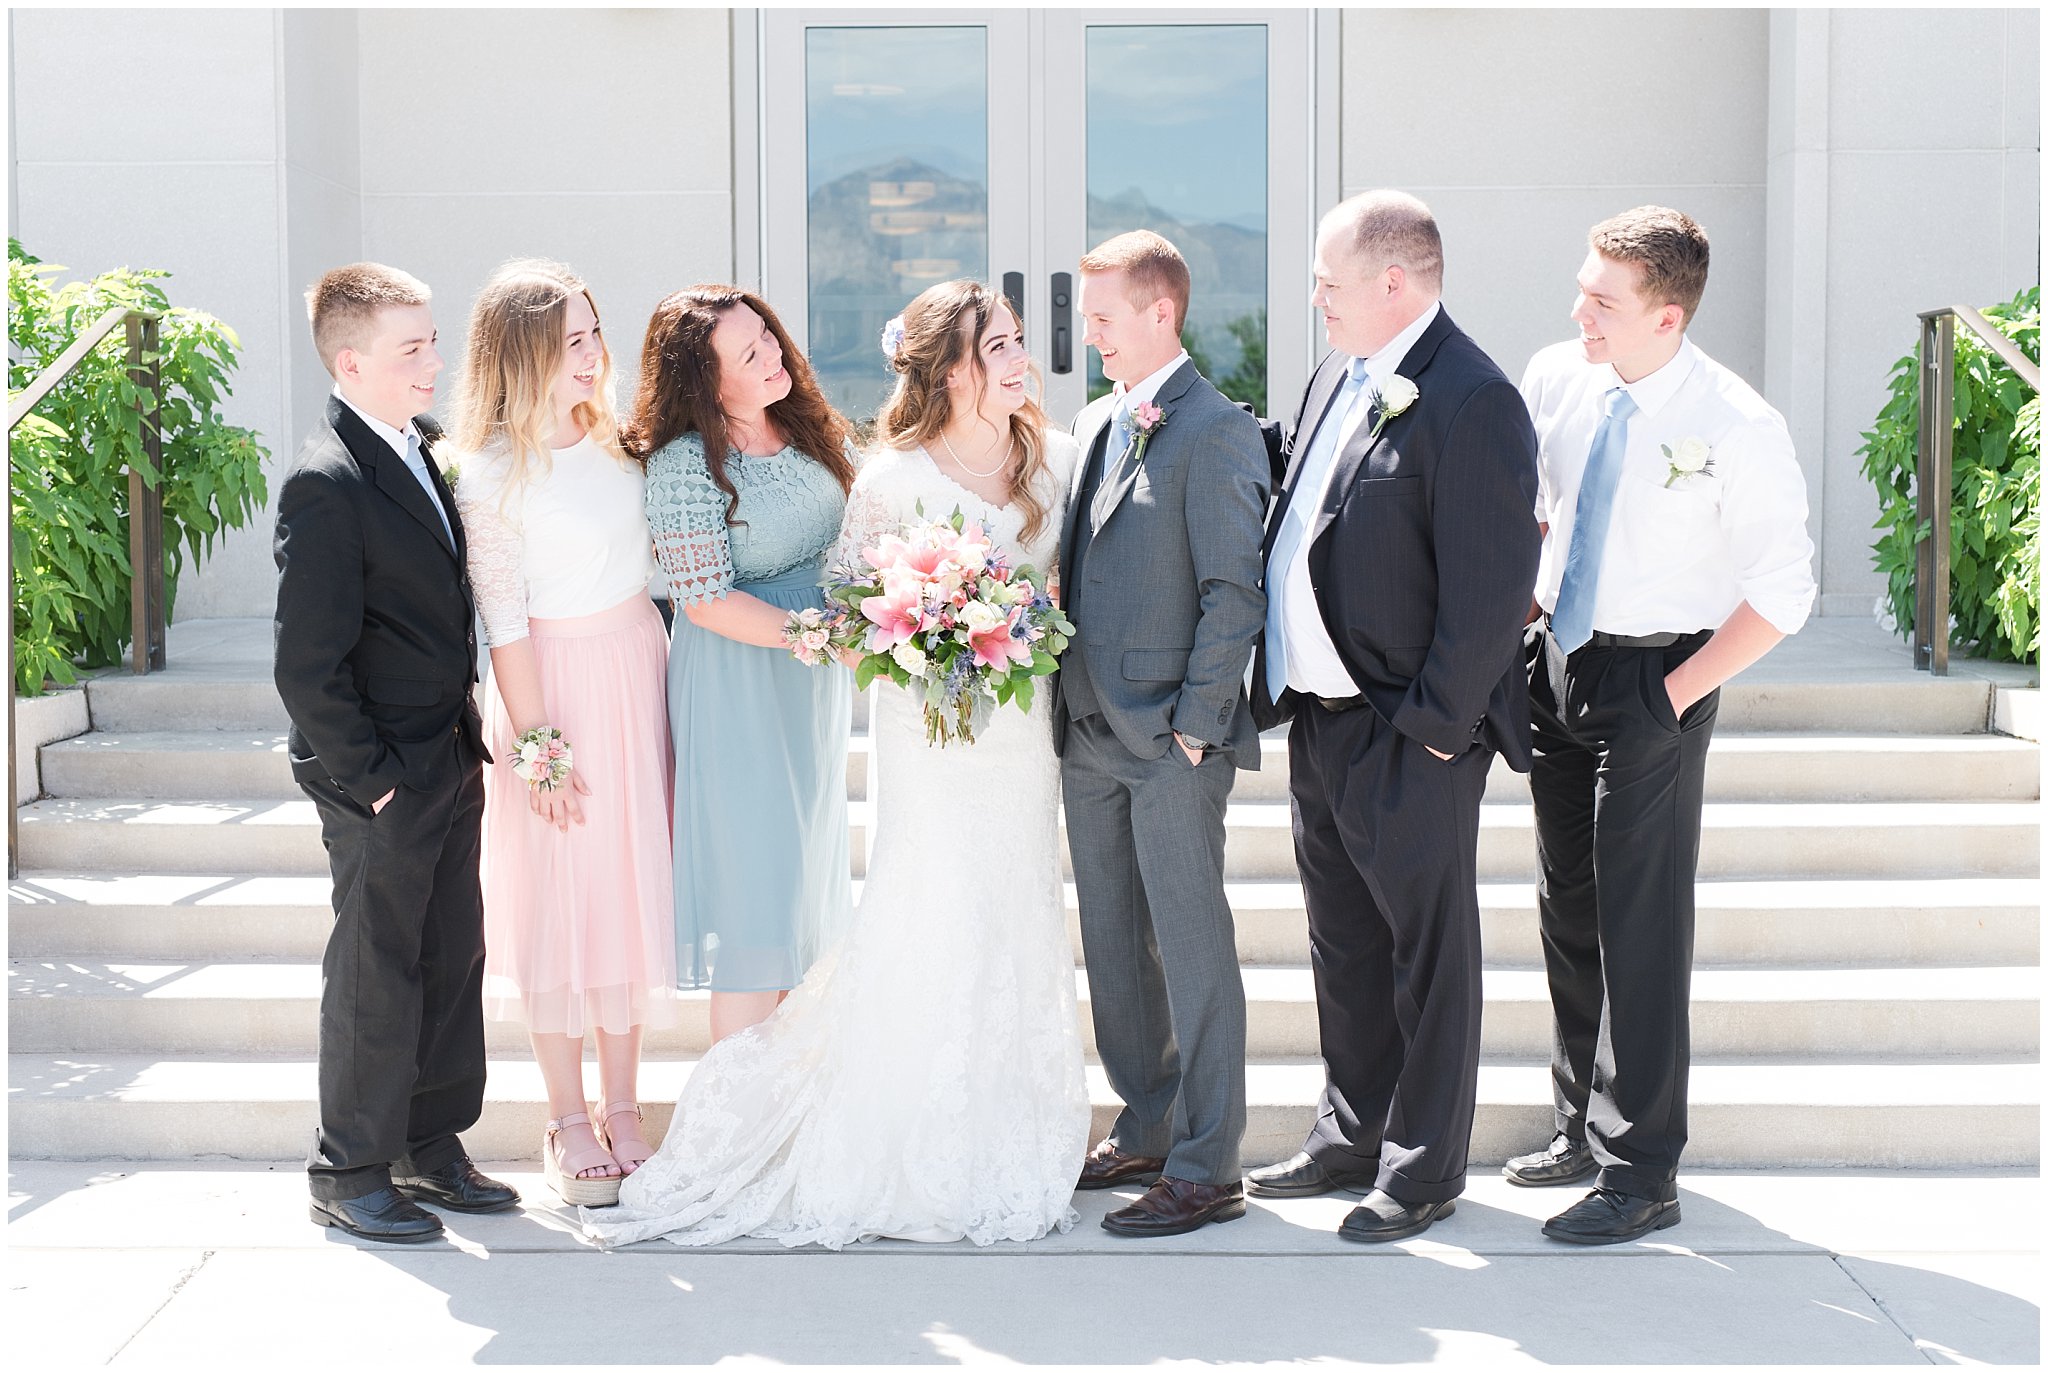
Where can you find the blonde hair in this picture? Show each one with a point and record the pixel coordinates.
(1152, 268)
(941, 329)
(343, 304)
(505, 396)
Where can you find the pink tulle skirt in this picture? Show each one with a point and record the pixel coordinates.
(579, 928)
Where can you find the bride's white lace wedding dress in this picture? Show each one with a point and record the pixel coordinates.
(924, 1081)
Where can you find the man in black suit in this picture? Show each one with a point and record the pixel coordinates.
(1399, 558)
(375, 658)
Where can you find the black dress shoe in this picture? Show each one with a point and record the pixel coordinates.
(1107, 1165)
(1606, 1216)
(458, 1186)
(1175, 1206)
(1302, 1176)
(1381, 1218)
(1566, 1160)
(382, 1215)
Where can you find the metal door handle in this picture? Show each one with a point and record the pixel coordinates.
(1013, 291)
(1062, 323)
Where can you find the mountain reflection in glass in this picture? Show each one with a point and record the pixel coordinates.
(896, 147)
(1177, 145)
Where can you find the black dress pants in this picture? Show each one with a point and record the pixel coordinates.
(1618, 782)
(401, 987)
(1387, 838)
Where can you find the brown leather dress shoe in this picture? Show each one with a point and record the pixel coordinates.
(1107, 1165)
(1175, 1206)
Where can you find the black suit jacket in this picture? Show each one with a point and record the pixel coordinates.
(376, 642)
(1423, 554)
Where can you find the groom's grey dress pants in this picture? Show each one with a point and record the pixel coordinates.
(1163, 984)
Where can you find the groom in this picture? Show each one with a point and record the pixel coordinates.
(1399, 562)
(1160, 568)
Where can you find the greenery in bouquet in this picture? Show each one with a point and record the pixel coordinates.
(941, 613)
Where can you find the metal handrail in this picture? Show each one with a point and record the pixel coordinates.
(145, 514)
(1934, 469)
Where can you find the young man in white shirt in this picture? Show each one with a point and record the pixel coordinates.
(1675, 555)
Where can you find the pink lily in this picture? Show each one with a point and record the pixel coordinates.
(996, 649)
(895, 618)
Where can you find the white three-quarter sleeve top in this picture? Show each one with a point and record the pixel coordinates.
(571, 540)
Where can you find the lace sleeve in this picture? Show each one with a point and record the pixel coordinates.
(686, 516)
(870, 513)
(497, 548)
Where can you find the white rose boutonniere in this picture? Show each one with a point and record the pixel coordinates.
(1394, 398)
(1687, 458)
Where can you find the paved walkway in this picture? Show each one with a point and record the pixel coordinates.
(155, 1264)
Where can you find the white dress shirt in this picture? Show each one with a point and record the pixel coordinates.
(414, 459)
(1681, 554)
(1312, 662)
(1135, 396)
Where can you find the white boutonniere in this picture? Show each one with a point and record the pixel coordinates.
(1687, 458)
(452, 474)
(1393, 399)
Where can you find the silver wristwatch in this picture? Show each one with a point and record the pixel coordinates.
(1198, 745)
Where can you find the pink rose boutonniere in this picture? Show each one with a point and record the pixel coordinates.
(1147, 419)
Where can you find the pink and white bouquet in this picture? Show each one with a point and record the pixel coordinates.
(938, 610)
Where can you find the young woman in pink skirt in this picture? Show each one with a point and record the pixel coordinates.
(578, 916)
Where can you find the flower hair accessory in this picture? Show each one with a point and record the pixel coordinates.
(892, 338)
(541, 758)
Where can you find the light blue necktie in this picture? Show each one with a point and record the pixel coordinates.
(1121, 428)
(1572, 623)
(1301, 514)
(416, 463)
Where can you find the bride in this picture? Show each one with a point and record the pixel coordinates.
(924, 1081)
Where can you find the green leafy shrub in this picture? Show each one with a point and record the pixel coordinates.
(1994, 500)
(70, 461)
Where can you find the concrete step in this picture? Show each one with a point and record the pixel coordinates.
(203, 764)
(1906, 922)
(1863, 1113)
(237, 1008)
(1926, 922)
(1807, 840)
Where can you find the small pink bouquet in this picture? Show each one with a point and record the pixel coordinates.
(938, 610)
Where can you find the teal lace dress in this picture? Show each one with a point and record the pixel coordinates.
(762, 880)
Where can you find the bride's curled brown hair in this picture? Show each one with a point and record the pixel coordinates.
(941, 329)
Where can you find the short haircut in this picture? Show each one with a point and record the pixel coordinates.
(1394, 229)
(1669, 247)
(1152, 268)
(343, 305)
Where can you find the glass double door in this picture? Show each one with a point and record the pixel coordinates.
(901, 150)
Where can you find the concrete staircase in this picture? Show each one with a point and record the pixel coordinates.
(1868, 943)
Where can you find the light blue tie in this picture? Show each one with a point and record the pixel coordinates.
(1301, 514)
(1572, 624)
(416, 463)
(1122, 428)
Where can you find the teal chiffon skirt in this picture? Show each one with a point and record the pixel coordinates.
(762, 881)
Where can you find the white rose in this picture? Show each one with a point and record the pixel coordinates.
(1397, 395)
(980, 616)
(1690, 455)
(910, 658)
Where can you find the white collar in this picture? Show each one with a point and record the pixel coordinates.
(1654, 392)
(395, 437)
(1145, 390)
(1387, 361)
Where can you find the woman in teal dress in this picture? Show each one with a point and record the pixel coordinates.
(748, 467)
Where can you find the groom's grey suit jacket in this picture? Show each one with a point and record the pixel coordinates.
(1170, 599)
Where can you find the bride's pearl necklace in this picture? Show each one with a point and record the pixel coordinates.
(1008, 445)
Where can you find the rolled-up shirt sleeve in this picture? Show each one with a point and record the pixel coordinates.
(1763, 518)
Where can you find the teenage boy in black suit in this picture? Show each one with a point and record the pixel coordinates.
(375, 659)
